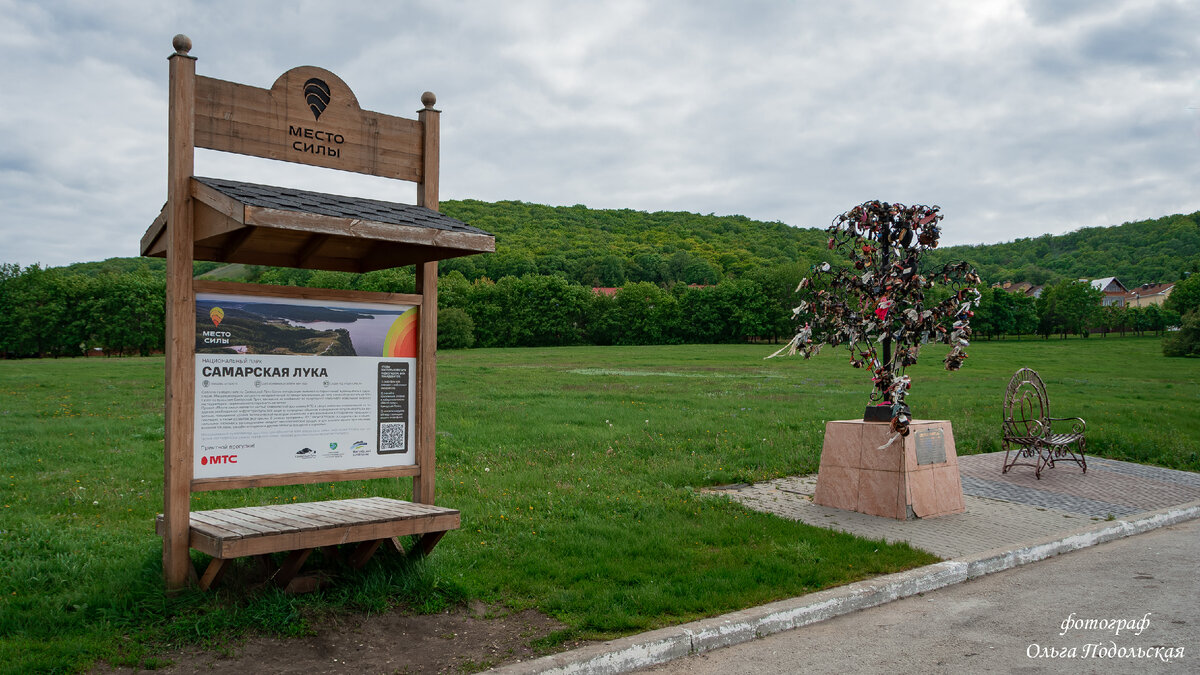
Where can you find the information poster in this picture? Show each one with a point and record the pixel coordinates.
(287, 385)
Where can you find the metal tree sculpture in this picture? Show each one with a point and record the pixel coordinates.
(880, 300)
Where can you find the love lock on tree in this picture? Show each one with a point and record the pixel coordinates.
(879, 299)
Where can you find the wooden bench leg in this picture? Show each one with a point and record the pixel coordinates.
(332, 553)
(267, 564)
(363, 552)
(213, 573)
(291, 565)
(398, 545)
(424, 545)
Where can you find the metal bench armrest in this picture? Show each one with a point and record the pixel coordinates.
(1077, 424)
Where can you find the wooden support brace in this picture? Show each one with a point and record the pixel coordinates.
(363, 552)
(236, 241)
(424, 545)
(291, 565)
(310, 249)
(213, 573)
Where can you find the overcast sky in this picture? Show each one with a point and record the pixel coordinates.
(1017, 117)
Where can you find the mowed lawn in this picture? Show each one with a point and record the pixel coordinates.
(575, 470)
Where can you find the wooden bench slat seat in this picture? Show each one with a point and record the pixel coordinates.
(225, 534)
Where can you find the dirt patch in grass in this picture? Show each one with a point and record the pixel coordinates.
(463, 640)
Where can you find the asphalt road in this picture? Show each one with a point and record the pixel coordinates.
(1128, 606)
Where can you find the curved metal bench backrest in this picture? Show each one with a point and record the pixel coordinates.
(1026, 408)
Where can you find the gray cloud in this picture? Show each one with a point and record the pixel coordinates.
(1018, 118)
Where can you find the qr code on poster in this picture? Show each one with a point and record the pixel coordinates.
(393, 437)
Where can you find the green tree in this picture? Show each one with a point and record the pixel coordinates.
(611, 271)
(1109, 318)
(779, 283)
(285, 276)
(746, 308)
(467, 266)
(1185, 297)
(645, 315)
(1186, 340)
(128, 312)
(1025, 318)
(701, 318)
(329, 279)
(1068, 307)
(455, 329)
(701, 272)
(1137, 319)
(454, 290)
(1154, 319)
(393, 280)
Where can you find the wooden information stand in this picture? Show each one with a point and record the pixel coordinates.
(309, 116)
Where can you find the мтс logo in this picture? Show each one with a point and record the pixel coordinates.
(316, 95)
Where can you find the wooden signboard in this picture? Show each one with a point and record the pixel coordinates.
(309, 116)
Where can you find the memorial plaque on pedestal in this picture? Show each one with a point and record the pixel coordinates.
(915, 476)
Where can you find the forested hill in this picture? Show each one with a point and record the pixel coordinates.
(1144, 252)
(595, 247)
(610, 247)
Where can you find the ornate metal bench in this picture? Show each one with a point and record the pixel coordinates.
(1028, 430)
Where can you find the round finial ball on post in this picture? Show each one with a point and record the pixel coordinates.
(182, 44)
(428, 99)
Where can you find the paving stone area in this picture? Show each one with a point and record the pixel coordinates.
(1033, 497)
(1155, 472)
(1119, 488)
(1001, 509)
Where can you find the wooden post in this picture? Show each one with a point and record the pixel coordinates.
(427, 196)
(430, 119)
(426, 383)
(181, 318)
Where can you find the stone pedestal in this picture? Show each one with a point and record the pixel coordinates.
(915, 477)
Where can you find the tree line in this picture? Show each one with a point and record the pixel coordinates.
(49, 312)
(62, 312)
(1160, 250)
(681, 277)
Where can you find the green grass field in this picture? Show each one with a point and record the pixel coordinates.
(575, 470)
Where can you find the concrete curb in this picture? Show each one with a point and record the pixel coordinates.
(659, 646)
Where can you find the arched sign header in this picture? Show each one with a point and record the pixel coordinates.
(308, 116)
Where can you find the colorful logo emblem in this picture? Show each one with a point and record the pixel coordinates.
(358, 444)
(216, 314)
(333, 446)
(316, 95)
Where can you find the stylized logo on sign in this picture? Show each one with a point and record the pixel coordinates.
(218, 459)
(316, 94)
(216, 314)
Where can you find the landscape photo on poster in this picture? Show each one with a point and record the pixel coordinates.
(288, 385)
(243, 324)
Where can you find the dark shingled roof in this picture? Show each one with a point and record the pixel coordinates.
(338, 206)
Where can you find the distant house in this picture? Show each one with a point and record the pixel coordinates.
(1148, 294)
(1114, 291)
(1022, 287)
(605, 290)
